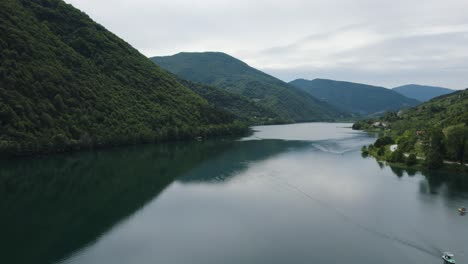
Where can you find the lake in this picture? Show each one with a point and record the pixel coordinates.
(299, 193)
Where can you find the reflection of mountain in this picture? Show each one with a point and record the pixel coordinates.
(226, 164)
(56, 205)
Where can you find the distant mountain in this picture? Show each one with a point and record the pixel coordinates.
(442, 111)
(67, 83)
(355, 97)
(242, 107)
(422, 92)
(223, 71)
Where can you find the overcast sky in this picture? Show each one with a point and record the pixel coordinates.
(386, 43)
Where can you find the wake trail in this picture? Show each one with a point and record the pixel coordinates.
(356, 223)
(429, 243)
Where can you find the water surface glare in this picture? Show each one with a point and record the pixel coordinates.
(298, 193)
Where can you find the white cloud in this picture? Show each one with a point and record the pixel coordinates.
(381, 42)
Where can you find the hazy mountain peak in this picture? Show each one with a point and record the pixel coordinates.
(354, 97)
(422, 92)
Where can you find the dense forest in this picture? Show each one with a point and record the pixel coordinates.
(433, 133)
(355, 97)
(223, 71)
(68, 83)
(242, 107)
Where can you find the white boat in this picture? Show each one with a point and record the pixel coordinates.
(448, 257)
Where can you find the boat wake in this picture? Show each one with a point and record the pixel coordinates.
(435, 252)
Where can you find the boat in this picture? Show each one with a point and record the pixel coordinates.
(448, 257)
(462, 210)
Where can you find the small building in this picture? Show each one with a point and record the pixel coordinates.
(379, 124)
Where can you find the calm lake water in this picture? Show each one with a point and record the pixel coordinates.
(297, 193)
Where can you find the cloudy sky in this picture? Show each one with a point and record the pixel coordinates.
(386, 43)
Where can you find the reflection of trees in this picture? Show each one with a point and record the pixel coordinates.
(57, 205)
(456, 182)
(53, 206)
(398, 171)
(225, 165)
(381, 164)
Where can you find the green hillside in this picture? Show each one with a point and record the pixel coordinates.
(223, 71)
(242, 107)
(355, 97)
(436, 130)
(422, 92)
(68, 83)
(441, 112)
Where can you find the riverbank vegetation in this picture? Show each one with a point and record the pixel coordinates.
(432, 135)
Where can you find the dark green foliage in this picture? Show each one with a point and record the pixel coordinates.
(223, 71)
(434, 160)
(68, 83)
(421, 92)
(443, 111)
(457, 143)
(411, 160)
(383, 141)
(436, 129)
(364, 150)
(359, 125)
(244, 108)
(397, 156)
(381, 151)
(407, 141)
(435, 150)
(354, 97)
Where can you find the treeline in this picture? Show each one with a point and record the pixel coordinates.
(429, 134)
(67, 83)
(429, 149)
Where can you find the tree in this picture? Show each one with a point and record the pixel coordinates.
(383, 141)
(407, 141)
(364, 150)
(58, 102)
(435, 149)
(457, 141)
(381, 151)
(411, 160)
(397, 156)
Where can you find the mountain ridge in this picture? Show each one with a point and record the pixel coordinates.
(354, 97)
(226, 72)
(422, 92)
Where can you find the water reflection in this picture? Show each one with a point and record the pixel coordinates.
(453, 183)
(225, 165)
(57, 205)
(258, 201)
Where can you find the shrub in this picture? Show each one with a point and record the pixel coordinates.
(383, 141)
(411, 160)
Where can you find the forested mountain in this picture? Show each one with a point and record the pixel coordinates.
(354, 97)
(436, 130)
(443, 111)
(422, 92)
(68, 83)
(223, 71)
(242, 107)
